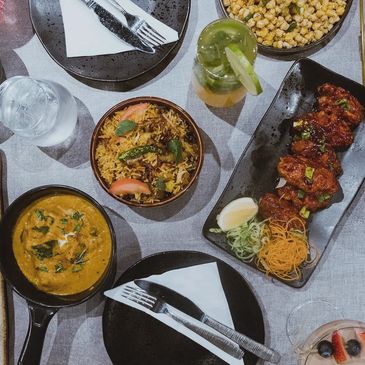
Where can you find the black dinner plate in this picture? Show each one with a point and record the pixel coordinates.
(135, 338)
(127, 69)
(255, 173)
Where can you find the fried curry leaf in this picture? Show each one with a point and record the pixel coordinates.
(44, 250)
(124, 127)
(40, 215)
(175, 147)
(64, 220)
(41, 229)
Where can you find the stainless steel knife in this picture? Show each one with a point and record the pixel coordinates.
(118, 28)
(185, 305)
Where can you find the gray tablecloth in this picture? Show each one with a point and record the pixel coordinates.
(74, 335)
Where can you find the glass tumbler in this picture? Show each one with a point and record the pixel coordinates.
(41, 111)
(213, 79)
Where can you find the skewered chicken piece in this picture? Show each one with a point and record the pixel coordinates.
(336, 100)
(271, 206)
(303, 201)
(321, 152)
(322, 127)
(307, 175)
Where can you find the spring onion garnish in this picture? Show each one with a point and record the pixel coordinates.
(343, 103)
(323, 197)
(306, 135)
(300, 194)
(304, 212)
(245, 240)
(309, 171)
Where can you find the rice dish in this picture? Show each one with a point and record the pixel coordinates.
(146, 153)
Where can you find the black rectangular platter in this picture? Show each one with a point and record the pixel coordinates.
(255, 173)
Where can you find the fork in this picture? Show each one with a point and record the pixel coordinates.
(140, 27)
(158, 305)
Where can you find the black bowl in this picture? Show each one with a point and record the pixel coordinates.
(298, 52)
(43, 306)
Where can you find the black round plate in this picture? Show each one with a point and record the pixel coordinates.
(121, 67)
(135, 338)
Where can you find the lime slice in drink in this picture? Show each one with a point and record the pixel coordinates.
(243, 69)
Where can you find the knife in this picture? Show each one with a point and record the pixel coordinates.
(185, 305)
(117, 27)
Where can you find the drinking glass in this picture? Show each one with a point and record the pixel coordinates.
(308, 324)
(213, 79)
(41, 111)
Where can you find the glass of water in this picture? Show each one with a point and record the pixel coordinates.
(40, 111)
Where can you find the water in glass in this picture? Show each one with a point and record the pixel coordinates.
(41, 111)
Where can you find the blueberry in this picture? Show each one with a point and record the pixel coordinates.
(353, 347)
(325, 349)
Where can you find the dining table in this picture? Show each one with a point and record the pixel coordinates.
(74, 335)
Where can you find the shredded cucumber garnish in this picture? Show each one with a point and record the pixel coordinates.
(244, 240)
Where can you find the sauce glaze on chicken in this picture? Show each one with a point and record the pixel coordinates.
(310, 170)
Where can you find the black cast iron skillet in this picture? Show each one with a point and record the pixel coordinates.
(43, 306)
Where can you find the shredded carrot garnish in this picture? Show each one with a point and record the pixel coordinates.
(285, 250)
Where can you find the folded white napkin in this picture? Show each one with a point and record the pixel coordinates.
(86, 36)
(202, 285)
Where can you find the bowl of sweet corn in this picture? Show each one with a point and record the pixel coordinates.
(289, 29)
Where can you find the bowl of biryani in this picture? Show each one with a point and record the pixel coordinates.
(289, 29)
(146, 151)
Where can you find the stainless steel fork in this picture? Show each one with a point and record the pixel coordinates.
(158, 305)
(139, 26)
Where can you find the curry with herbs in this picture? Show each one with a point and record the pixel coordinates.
(62, 244)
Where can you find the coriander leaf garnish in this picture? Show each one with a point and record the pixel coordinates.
(77, 216)
(175, 147)
(40, 215)
(64, 220)
(124, 127)
(77, 228)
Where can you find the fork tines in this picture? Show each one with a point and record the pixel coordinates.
(138, 296)
(150, 35)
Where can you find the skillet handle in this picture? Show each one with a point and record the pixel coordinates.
(39, 318)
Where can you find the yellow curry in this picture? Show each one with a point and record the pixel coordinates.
(62, 244)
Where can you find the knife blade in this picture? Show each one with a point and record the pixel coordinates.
(187, 306)
(109, 21)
